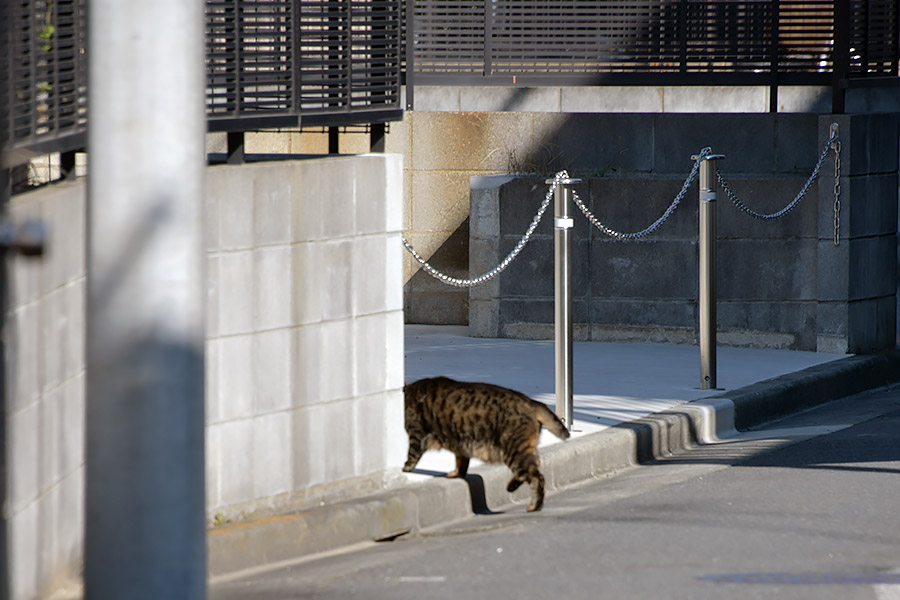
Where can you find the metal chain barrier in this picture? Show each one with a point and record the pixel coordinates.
(836, 145)
(832, 144)
(656, 224)
(509, 257)
(562, 175)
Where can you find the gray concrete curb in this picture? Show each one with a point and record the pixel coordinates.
(395, 512)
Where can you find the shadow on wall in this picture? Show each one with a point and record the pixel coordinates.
(427, 300)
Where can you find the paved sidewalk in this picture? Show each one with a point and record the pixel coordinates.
(613, 382)
(633, 402)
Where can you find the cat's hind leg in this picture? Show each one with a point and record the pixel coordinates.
(522, 458)
(526, 470)
(537, 491)
(535, 480)
(514, 484)
(462, 467)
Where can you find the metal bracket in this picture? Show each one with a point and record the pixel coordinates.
(27, 238)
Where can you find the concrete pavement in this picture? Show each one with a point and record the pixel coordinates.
(803, 509)
(633, 402)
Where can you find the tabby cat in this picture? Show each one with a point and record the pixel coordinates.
(489, 422)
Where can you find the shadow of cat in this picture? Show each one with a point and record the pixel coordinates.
(476, 491)
(478, 496)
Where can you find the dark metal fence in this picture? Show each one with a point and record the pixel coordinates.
(335, 62)
(42, 61)
(269, 63)
(667, 42)
(322, 62)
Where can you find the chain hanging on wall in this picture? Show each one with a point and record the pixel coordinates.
(836, 146)
(833, 144)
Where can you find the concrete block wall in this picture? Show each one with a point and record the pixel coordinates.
(458, 132)
(304, 368)
(305, 326)
(780, 283)
(858, 286)
(43, 337)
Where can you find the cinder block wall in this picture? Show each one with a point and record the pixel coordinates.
(781, 283)
(43, 417)
(449, 148)
(305, 331)
(456, 133)
(857, 311)
(304, 361)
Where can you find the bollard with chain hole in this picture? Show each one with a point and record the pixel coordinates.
(562, 238)
(707, 243)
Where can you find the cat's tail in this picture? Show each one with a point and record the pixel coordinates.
(549, 420)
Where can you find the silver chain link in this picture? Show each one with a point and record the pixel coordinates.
(836, 145)
(815, 174)
(656, 224)
(509, 257)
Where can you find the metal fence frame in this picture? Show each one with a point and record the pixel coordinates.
(290, 63)
(278, 63)
(43, 63)
(837, 43)
(270, 63)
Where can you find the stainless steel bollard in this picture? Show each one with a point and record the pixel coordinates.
(562, 238)
(707, 243)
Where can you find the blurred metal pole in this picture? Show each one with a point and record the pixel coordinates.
(145, 532)
(707, 300)
(5, 438)
(562, 239)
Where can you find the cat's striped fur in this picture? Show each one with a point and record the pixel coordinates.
(480, 420)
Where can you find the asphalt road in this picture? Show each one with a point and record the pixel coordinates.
(808, 507)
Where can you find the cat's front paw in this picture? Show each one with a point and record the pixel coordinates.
(408, 467)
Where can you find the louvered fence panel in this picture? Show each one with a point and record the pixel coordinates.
(449, 36)
(733, 37)
(636, 36)
(805, 36)
(325, 56)
(44, 66)
(873, 38)
(282, 62)
(685, 42)
(269, 63)
(250, 62)
(375, 54)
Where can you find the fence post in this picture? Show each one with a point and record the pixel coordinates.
(840, 55)
(488, 37)
(562, 241)
(707, 243)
